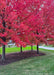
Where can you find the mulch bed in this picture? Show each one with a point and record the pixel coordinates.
(13, 57)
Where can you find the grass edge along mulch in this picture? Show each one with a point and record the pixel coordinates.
(13, 57)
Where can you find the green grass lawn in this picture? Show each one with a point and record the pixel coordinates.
(48, 46)
(42, 65)
(16, 49)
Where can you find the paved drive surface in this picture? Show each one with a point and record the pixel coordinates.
(49, 48)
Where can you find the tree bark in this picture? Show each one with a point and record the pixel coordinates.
(3, 52)
(31, 48)
(21, 49)
(37, 44)
(3, 46)
(37, 49)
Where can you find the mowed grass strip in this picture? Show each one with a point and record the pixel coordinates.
(42, 65)
(16, 49)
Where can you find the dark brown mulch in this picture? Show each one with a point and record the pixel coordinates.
(13, 57)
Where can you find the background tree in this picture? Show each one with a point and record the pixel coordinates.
(41, 23)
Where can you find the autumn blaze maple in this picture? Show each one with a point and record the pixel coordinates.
(26, 22)
(7, 23)
(41, 24)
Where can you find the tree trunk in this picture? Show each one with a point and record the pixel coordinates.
(37, 49)
(21, 49)
(31, 48)
(3, 46)
(3, 52)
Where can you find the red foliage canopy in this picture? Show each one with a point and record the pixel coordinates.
(27, 21)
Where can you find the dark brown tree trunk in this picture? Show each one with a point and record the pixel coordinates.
(21, 49)
(3, 52)
(31, 48)
(3, 46)
(37, 44)
(37, 49)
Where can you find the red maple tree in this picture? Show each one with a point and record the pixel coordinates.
(26, 22)
(8, 23)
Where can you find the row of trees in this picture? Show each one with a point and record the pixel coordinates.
(26, 22)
